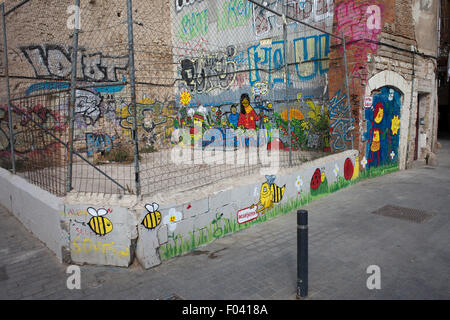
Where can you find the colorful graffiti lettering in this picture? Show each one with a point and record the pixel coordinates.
(193, 47)
(193, 25)
(180, 4)
(310, 53)
(341, 122)
(206, 73)
(234, 13)
(30, 125)
(308, 11)
(87, 245)
(51, 60)
(316, 49)
(269, 58)
(265, 21)
(155, 120)
(97, 143)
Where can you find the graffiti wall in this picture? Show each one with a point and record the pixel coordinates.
(360, 22)
(29, 125)
(229, 50)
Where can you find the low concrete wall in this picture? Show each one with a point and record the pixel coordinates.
(38, 210)
(113, 230)
(191, 219)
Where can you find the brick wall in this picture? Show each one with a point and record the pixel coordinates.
(374, 46)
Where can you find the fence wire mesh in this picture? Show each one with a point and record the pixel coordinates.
(202, 69)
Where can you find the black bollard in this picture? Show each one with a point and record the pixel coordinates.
(302, 254)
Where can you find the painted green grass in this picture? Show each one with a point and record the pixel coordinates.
(222, 226)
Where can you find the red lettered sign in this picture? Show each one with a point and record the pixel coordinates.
(247, 215)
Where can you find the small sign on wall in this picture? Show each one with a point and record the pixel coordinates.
(368, 101)
(247, 215)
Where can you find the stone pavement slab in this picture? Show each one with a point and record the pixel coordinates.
(345, 238)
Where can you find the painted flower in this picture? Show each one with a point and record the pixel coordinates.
(305, 126)
(395, 126)
(299, 184)
(336, 170)
(185, 98)
(172, 218)
(392, 155)
(191, 112)
(364, 162)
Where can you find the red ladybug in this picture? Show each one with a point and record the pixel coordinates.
(348, 169)
(316, 180)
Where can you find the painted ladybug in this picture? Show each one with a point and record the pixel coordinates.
(348, 169)
(316, 180)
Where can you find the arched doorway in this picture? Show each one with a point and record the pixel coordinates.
(383, 127)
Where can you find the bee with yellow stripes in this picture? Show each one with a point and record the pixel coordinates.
(153, 217)
(99, 224)
(270, 194)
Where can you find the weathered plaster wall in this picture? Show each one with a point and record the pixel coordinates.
(425, 14)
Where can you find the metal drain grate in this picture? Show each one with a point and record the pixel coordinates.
(408, 214)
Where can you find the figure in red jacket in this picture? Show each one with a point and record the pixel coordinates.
(248, 116)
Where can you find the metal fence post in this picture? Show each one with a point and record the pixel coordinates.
(73, 91)
(302, 254)
(8, 90)
(286, 70)
(132, 74)
(346, 81)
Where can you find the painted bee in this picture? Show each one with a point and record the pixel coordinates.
(153, 218)
(270, 194)
(98, 223)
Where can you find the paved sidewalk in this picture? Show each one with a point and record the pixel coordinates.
(260, 262)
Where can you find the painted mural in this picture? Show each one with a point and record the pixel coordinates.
(228, 50)
(383, 128)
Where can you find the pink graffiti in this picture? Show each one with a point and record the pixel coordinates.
(193, 48)
(361, 24)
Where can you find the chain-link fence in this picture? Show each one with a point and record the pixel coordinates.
(102, 92)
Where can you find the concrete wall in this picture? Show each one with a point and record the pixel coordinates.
(39, 211)
(180, 223)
